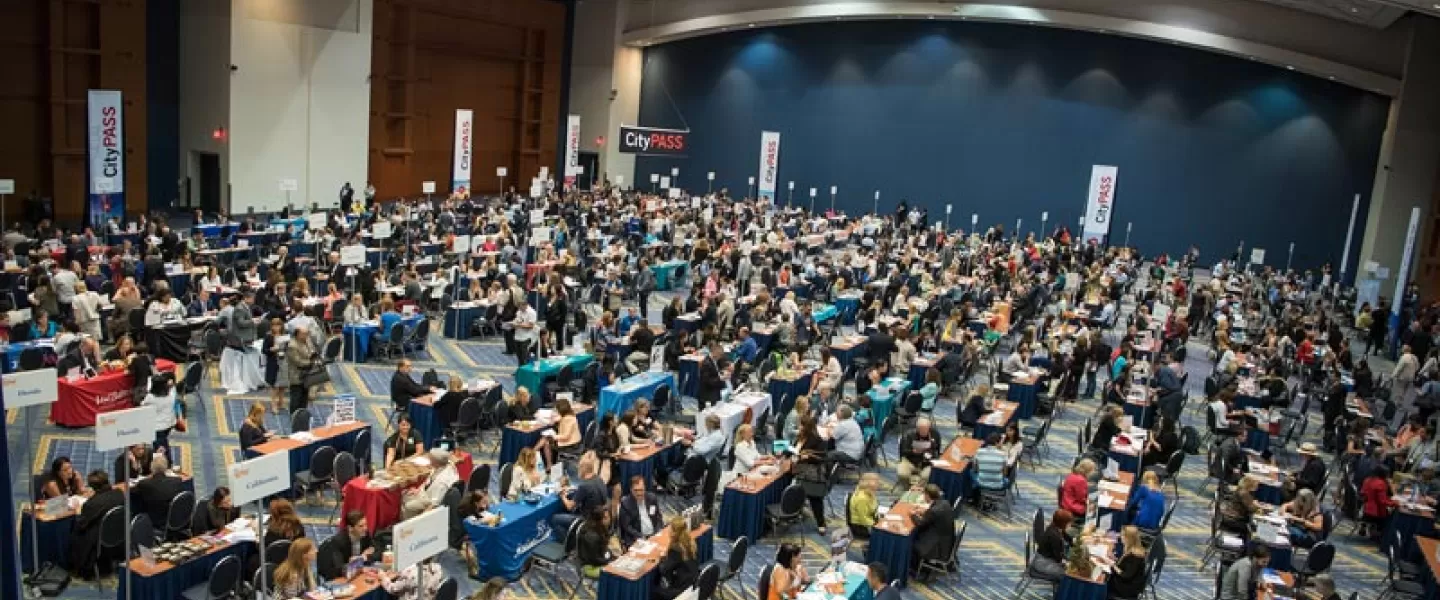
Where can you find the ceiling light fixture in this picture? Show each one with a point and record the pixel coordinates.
(750, 25)
(1332, 78)
(1290, 67)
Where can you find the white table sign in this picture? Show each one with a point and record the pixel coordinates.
(344, 411)
(427, 187)
(289, 185)
(262, 476)
(421, 537)
(123, 428)
(674, 192)
(29, 388)
(315, 220)
(462, 244)
(7, 186)
(352, 256)
(664, 182)
(380, 230)
(501, 171)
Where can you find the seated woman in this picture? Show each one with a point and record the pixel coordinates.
(1051, 548)
(221, 511)
(680, 568)
(596, 547)
(296, 576)
(404, 443)
(1107, 429)
(60, 480)
(1127, 580)
(567, 430)
(252, 430)
(974, 408)
(526, 474)
(1306, 523)
(1238, 507)
(1147, 502)
(931, 390)
(447, 406)
(789, 576)
(519, 406)
(864, 507)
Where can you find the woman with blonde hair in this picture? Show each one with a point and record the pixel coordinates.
(526, 473)
(864, 506)
(252, 430)
(294, 578)
(681, 565)
(1127, 580)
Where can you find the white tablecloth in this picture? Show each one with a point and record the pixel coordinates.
(240, 371)
(732, 411)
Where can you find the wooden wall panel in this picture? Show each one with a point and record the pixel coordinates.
(499, 58)
(55, 51)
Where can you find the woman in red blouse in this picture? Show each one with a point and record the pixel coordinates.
(1075, 490)
(1375, 492)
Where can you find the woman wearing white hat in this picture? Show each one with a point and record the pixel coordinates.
(442, 477)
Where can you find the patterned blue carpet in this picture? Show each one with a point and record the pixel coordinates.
(991, 556)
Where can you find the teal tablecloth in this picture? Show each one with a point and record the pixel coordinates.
(824, 312)
(534, 373)
(882, 402)
(617, 398)
(664, 273)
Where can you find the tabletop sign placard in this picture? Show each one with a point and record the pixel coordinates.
(427, 187)
(352, 256)
(664, 181)
(344, 411)
(264, 475)
(315, 221)
(674, 192)
(7, 186)
(421, 537)
(501, 171)
(1257, 256)
(380, 230)
(30, 388)
(289, 185)
(122, 428)
(537, 217)
(462, 244)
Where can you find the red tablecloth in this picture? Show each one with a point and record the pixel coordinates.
(79, 402)
(381, 506)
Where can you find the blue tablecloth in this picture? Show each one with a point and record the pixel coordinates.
(646, 468)
(823, 313)
(1243, 402)
(54, 542)
(762, 342)
(1270, 494)
(1406, 524)
(512, 440)
(847, 356)
(502, 550)
(1129, 463)
(300, 457)
(612, 587)
(533, 374)
(618, 397)
(882, 404)
(955, 485)
(458, 320)
(1071, 588)
(847, 306)
(1024, 395)
(172, 583)
(1257, 439)
(1279, 556)
(743, 512)
(213, 231)
(13, 351)
(1141, 415)
(668, 273)
(892, 549)
(359, 335)
(783, 392)
(425, 420)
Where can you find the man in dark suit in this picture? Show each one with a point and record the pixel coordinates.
(934, 532)
(152, 496)
(639, 513)
(336, 552)
(877, 578)
(84, 355)
(880, 344)
(85, 535)
(403, 388)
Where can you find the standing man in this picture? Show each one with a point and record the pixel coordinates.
(644, 284)
(1403, 376)
(347, 198)
(64, 280)
(525, 332)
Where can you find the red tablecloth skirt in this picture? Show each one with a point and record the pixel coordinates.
(381, 506)
(79, 402)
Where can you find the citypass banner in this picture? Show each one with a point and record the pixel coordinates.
(769, 164)
(464, 151)
(1100, 205)
(106, 155)
(572, 150)
(654, 141)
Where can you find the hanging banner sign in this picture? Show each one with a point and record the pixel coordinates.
(649, 140)
(107, 155)
(572, 149)
(1100, 203)
(464, 151)
(769, 164)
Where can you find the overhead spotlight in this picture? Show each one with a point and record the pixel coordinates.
(1354, 9)
(1290, 67)
(1332, 78)
(930, 17)
(750, 25)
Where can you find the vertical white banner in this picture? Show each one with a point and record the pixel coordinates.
(769, 164)
(1100, 203)
(106, 155)
(572, 149)
(464, 151)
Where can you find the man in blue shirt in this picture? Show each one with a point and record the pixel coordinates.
(709, 445)
(990, 465)
(746, 350)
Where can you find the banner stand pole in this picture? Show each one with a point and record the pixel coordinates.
(128, 587)
(260, 518)
(1402, 276)
(1349, 233)
(32, 590)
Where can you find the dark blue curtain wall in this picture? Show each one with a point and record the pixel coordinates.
(1007, 120)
